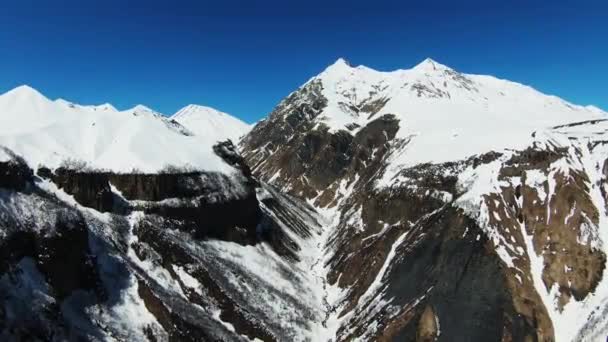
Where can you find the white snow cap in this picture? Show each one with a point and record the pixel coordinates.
(141, 108)
(211, 124)
(340, 63)
(444, 114)
(429, 65)
(49, 132)
(24, 91)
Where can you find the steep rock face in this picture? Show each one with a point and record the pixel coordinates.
(14, 172)
(63, 257)
(446, 265)
(436, 213)
(203, 203)
(89, 188)
(309, 159)
(267, 148)
(46, 258)
(414, 231)
(70, 272)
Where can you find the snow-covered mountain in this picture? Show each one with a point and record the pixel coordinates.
(438, 114)
(49, 133)
(463, 207)
(210, 123)
(436, 104)
(413, 205)
(127, 249)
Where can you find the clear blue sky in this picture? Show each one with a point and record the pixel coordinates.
(242, 57)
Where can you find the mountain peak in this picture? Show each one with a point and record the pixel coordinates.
(429, 65)
(195, 110)
(342, 61)
(24, 88)
(141, 108)
(339, 65)
(210, 123)
(197, 107)
(25, 92)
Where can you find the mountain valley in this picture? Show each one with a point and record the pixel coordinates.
(413, 205)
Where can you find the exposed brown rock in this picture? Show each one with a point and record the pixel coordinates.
(427, 326)
(558, 224)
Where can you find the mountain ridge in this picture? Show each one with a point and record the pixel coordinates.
(425, 94)
(424, 171)
(51, 132)
(418, 205)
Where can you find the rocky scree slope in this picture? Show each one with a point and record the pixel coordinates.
(461, 207)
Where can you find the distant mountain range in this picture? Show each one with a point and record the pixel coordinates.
(49, 132)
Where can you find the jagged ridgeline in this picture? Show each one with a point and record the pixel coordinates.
(414, 205)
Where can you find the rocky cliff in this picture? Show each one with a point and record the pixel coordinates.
(190, 256)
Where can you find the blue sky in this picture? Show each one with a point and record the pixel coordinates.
(242, 57)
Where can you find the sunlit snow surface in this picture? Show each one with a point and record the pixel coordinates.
(49, 133)
(444, 115)
(210, 123)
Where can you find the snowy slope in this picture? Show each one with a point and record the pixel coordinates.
(49, 132)
(422, 173)
(211, 124)
(437, 105)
